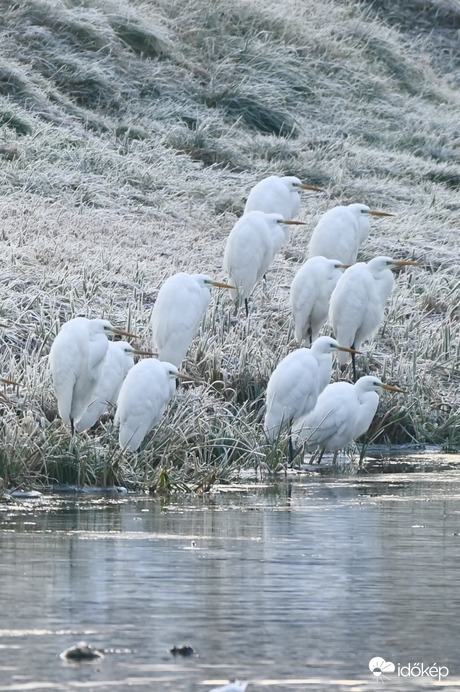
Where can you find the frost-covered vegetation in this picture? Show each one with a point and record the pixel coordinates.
(130, 135)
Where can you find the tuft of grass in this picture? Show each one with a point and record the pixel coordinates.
(84, 28)
(13, 119)
(142, 39)
(257, 115)
(419, 17)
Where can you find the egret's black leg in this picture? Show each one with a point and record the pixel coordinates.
(313, 456)
(320, 456)
(246, 306)
(353, 361)
(72, 427)
(291, 448)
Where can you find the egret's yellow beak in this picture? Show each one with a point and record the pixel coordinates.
(187, 378)
(220, 284)
(391, 388)
(378, 213)
(348, 350)
(122, 332)
(293, 223)
(305, 186)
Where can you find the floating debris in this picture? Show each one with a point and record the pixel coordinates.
(26, 494)
(66, 489)
(82, 652)
(233, 686)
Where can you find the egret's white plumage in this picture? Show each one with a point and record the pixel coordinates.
(144, 395)
(340, 231)
(251, 248)
(277, 195)
(296, 382)
(117, 363)
(178, 310)
(311, 291)
(358, 301)
(76, 359)
(342, 413)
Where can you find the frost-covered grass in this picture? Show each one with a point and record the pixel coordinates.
(130, 135)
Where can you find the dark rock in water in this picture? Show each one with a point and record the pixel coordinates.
(184, 650)
(82, 652)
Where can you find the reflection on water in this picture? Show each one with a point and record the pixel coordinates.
(294, 586)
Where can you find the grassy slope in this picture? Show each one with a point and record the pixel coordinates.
(130, 136)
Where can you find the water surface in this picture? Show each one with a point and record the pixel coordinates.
(292, 585)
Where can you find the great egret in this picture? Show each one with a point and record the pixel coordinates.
(277, 195)
(76, 359)
(311, 291)
(342, 413)
(178, 310)
(295, 384)
(340, 231)
(251, 248)
(358, 302)
(144, 395)
(117, 363)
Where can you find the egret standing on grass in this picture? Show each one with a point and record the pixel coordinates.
(358, 302)
(143, 398)
(311, 291)
(295, 384)
(342, 413)
(340, 231)
(179, 308)
(251, 248)
(277, 195)
(117, 363)
(76, 359)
